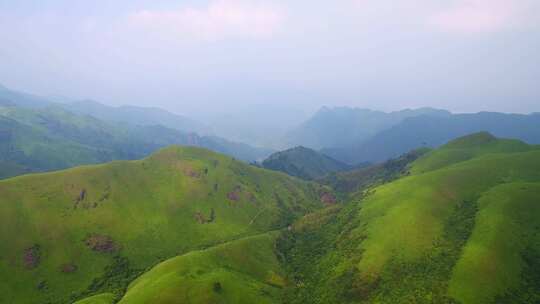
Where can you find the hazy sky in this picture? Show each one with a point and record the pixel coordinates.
(210, 56)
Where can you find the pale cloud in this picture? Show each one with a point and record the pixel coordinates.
(220, 19)
(484, 16)
(452, 16)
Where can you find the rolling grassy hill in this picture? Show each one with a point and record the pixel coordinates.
(241, 271)
(88, 232)
(304, 163)
(463, 227)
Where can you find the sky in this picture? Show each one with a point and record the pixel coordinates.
(204, 58)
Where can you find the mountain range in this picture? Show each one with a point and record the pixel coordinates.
(357, 136)
(38, 135)
(433, 131)
(136, 116)
(341, 126)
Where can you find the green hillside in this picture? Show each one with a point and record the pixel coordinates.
(92, 230)
(465, 231)
(304, 163)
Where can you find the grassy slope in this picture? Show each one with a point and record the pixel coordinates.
(241, 271)
(149, 209)
(403, 243)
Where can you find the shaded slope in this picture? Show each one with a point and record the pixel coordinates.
(465, 231)
(372, 175)
(92, 230)
(303, 162)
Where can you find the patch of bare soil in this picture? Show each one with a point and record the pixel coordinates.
(192, 173)
(235, 194)
(79, 198)
(32, 257)
(101, 243)
(68, 268)
(328, 198)
(201, 219)
(251, 197)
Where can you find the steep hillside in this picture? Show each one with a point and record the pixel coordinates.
(428, 131)
(92, 230)
(51, 138)
(456, 230)
(303, 162)
(343, 126)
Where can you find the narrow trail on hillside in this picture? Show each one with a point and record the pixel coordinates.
(256, 216)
